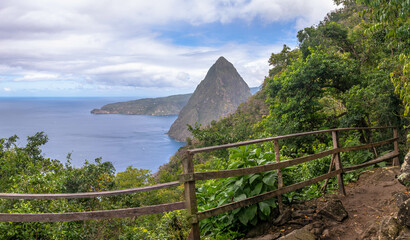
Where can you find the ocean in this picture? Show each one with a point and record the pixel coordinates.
(125, 140)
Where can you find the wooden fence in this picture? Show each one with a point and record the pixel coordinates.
(189, 177)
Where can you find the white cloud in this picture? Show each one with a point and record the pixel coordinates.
(120, 43)
(75, 13)
(7, 89)
(306, 13)
(38, 76)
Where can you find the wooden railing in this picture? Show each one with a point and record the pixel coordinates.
(93, 215)
(189, 177)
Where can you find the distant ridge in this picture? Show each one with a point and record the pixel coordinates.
(170, 105)
(255, 89)
(218, 95)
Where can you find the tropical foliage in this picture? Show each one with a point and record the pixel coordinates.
(26, 170)
(351, 70)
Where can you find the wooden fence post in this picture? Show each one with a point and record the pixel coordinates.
(190, 196)
(396, 147)
(338, 163)
(279, 173)
(332, 164)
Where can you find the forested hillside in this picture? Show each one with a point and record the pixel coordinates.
(351, 70)
(170, 105)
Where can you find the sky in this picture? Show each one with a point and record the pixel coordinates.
(88, 48)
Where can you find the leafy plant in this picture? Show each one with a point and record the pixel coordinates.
(219, 192)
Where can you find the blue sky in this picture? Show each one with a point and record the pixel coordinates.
(141, 48)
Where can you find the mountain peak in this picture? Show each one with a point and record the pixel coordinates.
(218, 95)
(222, 62)
(221, 59)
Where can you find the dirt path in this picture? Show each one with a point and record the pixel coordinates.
(367, 201)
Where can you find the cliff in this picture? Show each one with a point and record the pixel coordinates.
(217, 96)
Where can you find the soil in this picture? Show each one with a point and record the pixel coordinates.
(367, 201)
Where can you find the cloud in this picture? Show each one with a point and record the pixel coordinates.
(126, 43)
(38, 77)
(7, 89)
(304, 12)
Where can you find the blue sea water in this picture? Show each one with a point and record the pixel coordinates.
(125, 140)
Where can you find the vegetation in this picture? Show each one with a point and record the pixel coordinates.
(392, 18)
(339, 76)
(351, 70)
(25, 170)
(170, 105)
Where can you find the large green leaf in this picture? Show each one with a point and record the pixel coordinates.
(243, 218)
(265, 208)
(257, 189)
(271, 202)
(253, 178)
(251, 211)
(257, 152)
(240, 197)
(235, 165)
(247, 190)
(230, 181)
(222, 202)
(269, 156)
(247, 214)
(235, 211)
(254, 221)
(239, 182)
(269, 179)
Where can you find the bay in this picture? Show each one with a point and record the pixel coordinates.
(125, 140)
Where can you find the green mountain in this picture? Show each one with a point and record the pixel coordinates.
(217, 96)
(170, 105)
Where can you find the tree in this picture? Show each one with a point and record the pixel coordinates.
(281, 60)
(297, 95)
(393, 17)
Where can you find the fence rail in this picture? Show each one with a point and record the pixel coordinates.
(92, 215)
(88, 194)
(189, 177)
(231, 145)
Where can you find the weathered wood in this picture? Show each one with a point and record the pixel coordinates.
(396, 148)
(354, 148)
(376, 160)
(224, 146)
(95, 215)
(171, 184)
(338, 163)
(88, 194)
(282, 164)
(189, 177)
(332, 163)
(258, 169)
(279, 173)
(190, 196)
(367, 135)
(367, 146)
(262, 197)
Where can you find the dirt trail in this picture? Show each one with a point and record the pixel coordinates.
(367, 201)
